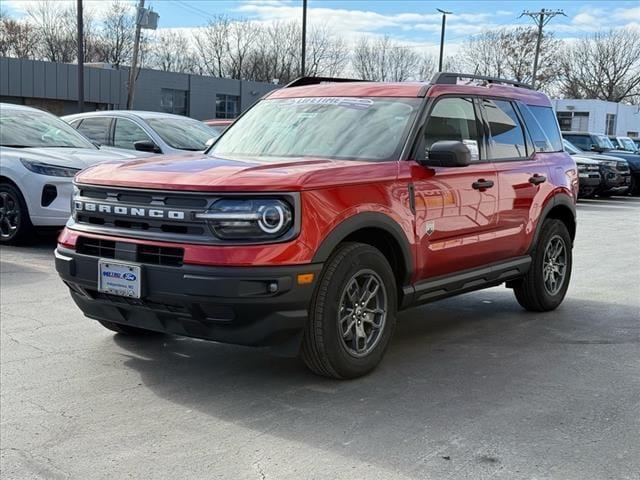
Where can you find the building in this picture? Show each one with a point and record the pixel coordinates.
(54, 87)
(598, 116)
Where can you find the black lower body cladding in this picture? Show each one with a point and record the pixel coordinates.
(254, 306)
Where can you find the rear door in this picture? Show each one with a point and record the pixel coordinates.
(97, 129)
(523, 176)
(455, 208)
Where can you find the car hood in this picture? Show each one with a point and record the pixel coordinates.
(65, 157)
(585, 160)
(201, 172)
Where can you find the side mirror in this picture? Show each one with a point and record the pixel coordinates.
(447, 153)
(146, 146)
(596, 148)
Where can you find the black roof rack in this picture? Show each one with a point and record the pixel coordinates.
(448, 78)
(303, 81)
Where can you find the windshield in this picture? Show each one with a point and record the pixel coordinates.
(326, 127)
(33, 128)
(628, 144)
(182, 133)
(571, 148)
(604, 142)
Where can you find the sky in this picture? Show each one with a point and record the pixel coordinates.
(412, 22)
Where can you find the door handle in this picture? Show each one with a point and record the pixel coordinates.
(482, 184)
(537, 179)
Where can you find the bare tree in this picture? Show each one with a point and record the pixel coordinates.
(55, 25)
(17, 39)
(212, 45)
(171, 52)
(327, 53)
(427, 68)
(117, 34)
(604, 66)
(384, 60)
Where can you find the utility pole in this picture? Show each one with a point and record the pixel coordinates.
(80, 57)
(541, 18)
(304, 37)
(444, 21)
(134, 60)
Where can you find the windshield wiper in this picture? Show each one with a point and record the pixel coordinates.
(15, 146)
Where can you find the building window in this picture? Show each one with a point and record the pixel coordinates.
(227, 106)
(611, 124)
(573, 121)
(174, 101)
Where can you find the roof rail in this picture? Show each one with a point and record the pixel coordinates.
(448, 78)
(303, 81)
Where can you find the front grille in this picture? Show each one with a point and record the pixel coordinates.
(127, 212)
(140, 253)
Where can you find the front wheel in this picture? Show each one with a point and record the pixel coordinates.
(352, 314)
(544, 286)
(15, 224)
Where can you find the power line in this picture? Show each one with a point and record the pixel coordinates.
(541, 18)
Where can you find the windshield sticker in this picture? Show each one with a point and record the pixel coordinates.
(346, 102)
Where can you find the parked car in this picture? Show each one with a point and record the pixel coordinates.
(144, 131)
(602, 144)
(637, 142)
(325, 209)
(39, 155)
(625, 144)
(613, 172)
(219, 125)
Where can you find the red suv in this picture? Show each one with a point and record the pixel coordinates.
(324, 210)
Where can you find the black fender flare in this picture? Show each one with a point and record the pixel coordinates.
(367, 220)
(560, 199)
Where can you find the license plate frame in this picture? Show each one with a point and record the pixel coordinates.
(119, 278)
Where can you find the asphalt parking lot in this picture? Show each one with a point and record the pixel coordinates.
(472, 387)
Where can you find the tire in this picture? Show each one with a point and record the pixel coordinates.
(533, 292)
(326, 350)
(15, 224)
(634, 187)
(127, 329)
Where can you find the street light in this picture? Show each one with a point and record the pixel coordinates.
(444, 20)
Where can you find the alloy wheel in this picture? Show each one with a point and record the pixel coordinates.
(362, 313)
(554, 265)
(9, 215)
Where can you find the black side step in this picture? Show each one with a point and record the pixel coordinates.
(466, 281)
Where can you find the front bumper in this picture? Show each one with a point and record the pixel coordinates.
(615, 182)
(225, 304)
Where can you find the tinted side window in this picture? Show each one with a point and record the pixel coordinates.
(127, 133)
(549, 124)
(95, 128)
(507, 138)
(453, 119)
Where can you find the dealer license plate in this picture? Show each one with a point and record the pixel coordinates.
(119, 278)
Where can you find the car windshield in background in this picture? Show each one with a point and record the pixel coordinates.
(604, 142)
(183, 134)
(326, 127)
(571, 148)
(628, 144)
(38, 129)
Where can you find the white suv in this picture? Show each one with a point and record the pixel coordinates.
(39, 155)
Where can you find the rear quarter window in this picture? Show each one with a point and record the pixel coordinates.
(543, 128)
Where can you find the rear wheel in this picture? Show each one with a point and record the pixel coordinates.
(127, 329)
(545, 285)
(15, 224)
(352, 314)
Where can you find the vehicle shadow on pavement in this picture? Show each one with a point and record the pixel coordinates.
(460, 381)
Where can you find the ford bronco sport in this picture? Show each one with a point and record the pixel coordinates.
(325, 209)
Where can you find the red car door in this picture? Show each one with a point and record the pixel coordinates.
(522, 177)
(455, 207)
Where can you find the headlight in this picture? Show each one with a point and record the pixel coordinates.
(50, 170)
(582, 168)
(249, 219)
(610, 163)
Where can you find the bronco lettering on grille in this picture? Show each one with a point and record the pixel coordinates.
(129, 211)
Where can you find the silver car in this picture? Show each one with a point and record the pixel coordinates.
(143, 131)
